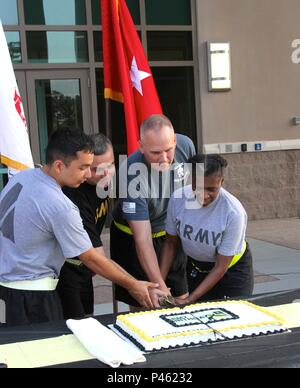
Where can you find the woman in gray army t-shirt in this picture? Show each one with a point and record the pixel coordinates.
(210, 223)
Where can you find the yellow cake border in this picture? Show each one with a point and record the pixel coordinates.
(122, 318)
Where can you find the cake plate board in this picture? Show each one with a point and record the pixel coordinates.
(116, 331)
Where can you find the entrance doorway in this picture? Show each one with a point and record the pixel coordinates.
(54, 99)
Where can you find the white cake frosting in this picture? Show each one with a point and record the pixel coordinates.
(197, 324)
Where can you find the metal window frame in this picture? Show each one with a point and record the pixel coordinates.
(92, 65)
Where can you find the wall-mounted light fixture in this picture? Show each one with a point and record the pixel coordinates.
(219, 68)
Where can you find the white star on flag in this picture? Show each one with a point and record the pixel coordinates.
(137, 76)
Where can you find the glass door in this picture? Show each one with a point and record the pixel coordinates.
(56, 100)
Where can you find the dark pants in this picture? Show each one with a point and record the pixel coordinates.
(75, 288)
(123, 251)
(238, 282)
(27, 307)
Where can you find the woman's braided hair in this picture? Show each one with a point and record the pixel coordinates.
(214, 164)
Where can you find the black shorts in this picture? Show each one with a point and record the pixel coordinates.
(27, 307)
(238, 282)
(122, 249)
(75, 288)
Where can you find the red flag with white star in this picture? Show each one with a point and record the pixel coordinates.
(127, 75)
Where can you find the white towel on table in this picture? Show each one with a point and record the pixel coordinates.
(103, 343)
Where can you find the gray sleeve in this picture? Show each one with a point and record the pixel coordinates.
(70, 234)
(171, 228)
(134, 193)
(134, 209)
(191, 150)
(185, 147)
(234, 235)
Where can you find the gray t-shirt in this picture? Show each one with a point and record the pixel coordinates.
(205, 231)
(151, 202)
(39, 228)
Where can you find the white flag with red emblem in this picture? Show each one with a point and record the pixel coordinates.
(15, 150)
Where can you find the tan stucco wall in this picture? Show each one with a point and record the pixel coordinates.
(265, 91)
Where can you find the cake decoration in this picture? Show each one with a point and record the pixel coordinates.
(205, 316)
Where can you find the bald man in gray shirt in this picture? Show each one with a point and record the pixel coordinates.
(138, 230)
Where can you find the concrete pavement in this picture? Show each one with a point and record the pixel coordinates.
(275, 246)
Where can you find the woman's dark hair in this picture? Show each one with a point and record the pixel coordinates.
(214, 164)
(102, 143)
(65, 143)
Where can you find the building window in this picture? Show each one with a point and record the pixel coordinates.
(55, 12)
(57, 47)
(14, 46)
(96, 12)
(98, 50)
(58, 106)
(57, 32)
(170, 45)
(9, 12)
(133, 6)
(168, 12)
(175, 86)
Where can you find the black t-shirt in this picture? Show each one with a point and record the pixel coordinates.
(93, 210)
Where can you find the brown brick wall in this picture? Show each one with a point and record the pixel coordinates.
(267, 183)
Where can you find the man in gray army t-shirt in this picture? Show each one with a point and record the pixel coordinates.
(138, 230)
(40, 227)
